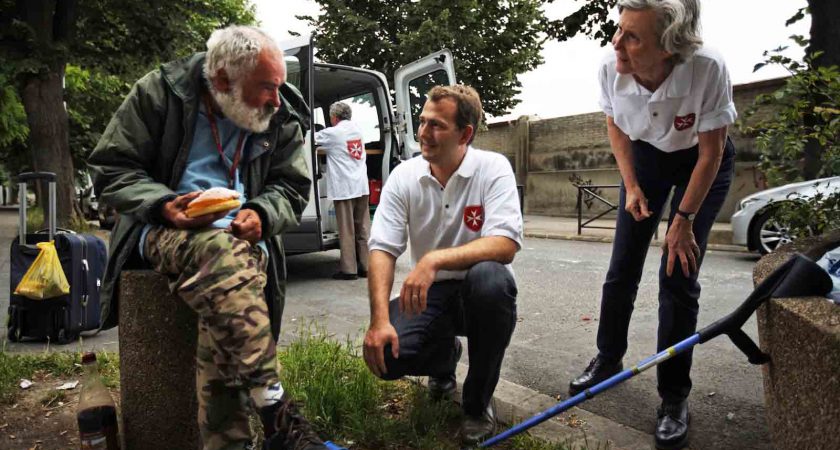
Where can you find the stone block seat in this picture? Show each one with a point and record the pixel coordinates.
(802, 337)
(157, 337)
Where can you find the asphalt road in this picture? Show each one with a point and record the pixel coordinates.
(559, 293)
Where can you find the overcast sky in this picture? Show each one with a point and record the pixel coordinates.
(566, 83)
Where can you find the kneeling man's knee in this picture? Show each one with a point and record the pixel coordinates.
(490, 280)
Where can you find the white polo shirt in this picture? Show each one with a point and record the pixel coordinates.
(479, 200)
(696, 97)
(346, 160)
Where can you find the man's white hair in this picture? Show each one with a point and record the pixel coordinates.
(678, 24)
(341, 111)
(237, 49)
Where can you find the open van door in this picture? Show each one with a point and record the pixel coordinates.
(411, 83)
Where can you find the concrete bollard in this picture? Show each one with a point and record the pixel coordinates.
(157, 336)
(802, 337)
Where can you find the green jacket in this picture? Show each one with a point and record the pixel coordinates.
(141, 157)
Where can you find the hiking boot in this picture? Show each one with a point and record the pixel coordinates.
(287, 429)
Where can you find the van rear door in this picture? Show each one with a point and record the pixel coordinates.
(411, 83)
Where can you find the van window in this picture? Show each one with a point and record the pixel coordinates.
(366, 116)
(418, 88)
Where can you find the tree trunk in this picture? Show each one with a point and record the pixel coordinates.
(46, 115)
(825, 31)
(825, 38)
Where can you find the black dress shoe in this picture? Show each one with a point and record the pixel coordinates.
(597, 371)
(362, 273)
(441, 387)
(475, 430)
(345, 276)
(672, 426)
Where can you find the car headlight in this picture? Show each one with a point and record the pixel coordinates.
(746, 202)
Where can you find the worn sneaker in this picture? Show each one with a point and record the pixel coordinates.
(475, 430)
(287, 429)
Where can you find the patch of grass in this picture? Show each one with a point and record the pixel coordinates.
(345, 402)
(14, 367)
(349, 405)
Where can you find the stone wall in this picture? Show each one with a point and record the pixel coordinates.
(559, 149)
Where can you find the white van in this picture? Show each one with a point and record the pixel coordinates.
(389, 137)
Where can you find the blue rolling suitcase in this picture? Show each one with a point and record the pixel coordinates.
(83, 257)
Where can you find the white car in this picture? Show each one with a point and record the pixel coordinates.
(753, 224)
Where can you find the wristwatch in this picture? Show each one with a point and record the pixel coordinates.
(688, 216)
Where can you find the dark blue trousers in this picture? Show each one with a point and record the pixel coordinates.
(481, 307)
(658, 173)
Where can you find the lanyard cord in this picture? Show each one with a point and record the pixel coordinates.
(237, 156)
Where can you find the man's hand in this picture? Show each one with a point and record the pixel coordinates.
(376, 338)
(636, 204)
(680, 243)
(416, 286)
(174, 212)
(247, 226)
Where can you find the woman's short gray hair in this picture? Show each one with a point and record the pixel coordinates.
(678, 24)
(236, 49)
(341, 111)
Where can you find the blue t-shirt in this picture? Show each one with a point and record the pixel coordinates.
(205, 169)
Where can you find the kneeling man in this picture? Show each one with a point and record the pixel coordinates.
(458, 208)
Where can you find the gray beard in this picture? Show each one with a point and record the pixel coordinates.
(234, 108)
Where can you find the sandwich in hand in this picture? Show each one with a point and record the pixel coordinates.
(213, 200)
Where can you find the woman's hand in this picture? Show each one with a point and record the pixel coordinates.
(680, 243)
(636, 204)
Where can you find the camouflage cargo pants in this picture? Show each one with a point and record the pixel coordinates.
(222, 279)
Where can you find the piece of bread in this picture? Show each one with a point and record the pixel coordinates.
(213, 200)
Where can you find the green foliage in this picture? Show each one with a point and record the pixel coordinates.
(492, 42)
(91, 96)
(802, 129)
(806, 108)
(591, 19)
(809, 216)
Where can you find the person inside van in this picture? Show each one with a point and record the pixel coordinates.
(221, 119)
(347, 187)
(458, 209)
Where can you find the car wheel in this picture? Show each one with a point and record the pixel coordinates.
(768, 233)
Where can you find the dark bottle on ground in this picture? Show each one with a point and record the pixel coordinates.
(97, 414)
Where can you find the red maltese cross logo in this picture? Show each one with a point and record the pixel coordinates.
(355, 148)
(474, 217)
(684, 122)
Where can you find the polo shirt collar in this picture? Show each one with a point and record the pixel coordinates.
(465, 170)
(678, 83)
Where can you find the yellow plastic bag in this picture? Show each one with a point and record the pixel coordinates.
(45, 277)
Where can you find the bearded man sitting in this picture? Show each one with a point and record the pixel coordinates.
(221, 119)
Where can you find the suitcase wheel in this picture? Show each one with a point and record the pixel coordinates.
(62, 337)
(13, 333)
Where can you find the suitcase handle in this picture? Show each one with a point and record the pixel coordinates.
(51, 220)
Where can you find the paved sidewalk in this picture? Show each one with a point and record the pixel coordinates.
(551, 227)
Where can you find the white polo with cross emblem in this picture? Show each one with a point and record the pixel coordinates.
(346, 160)
(479, 200)
(696, 97)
